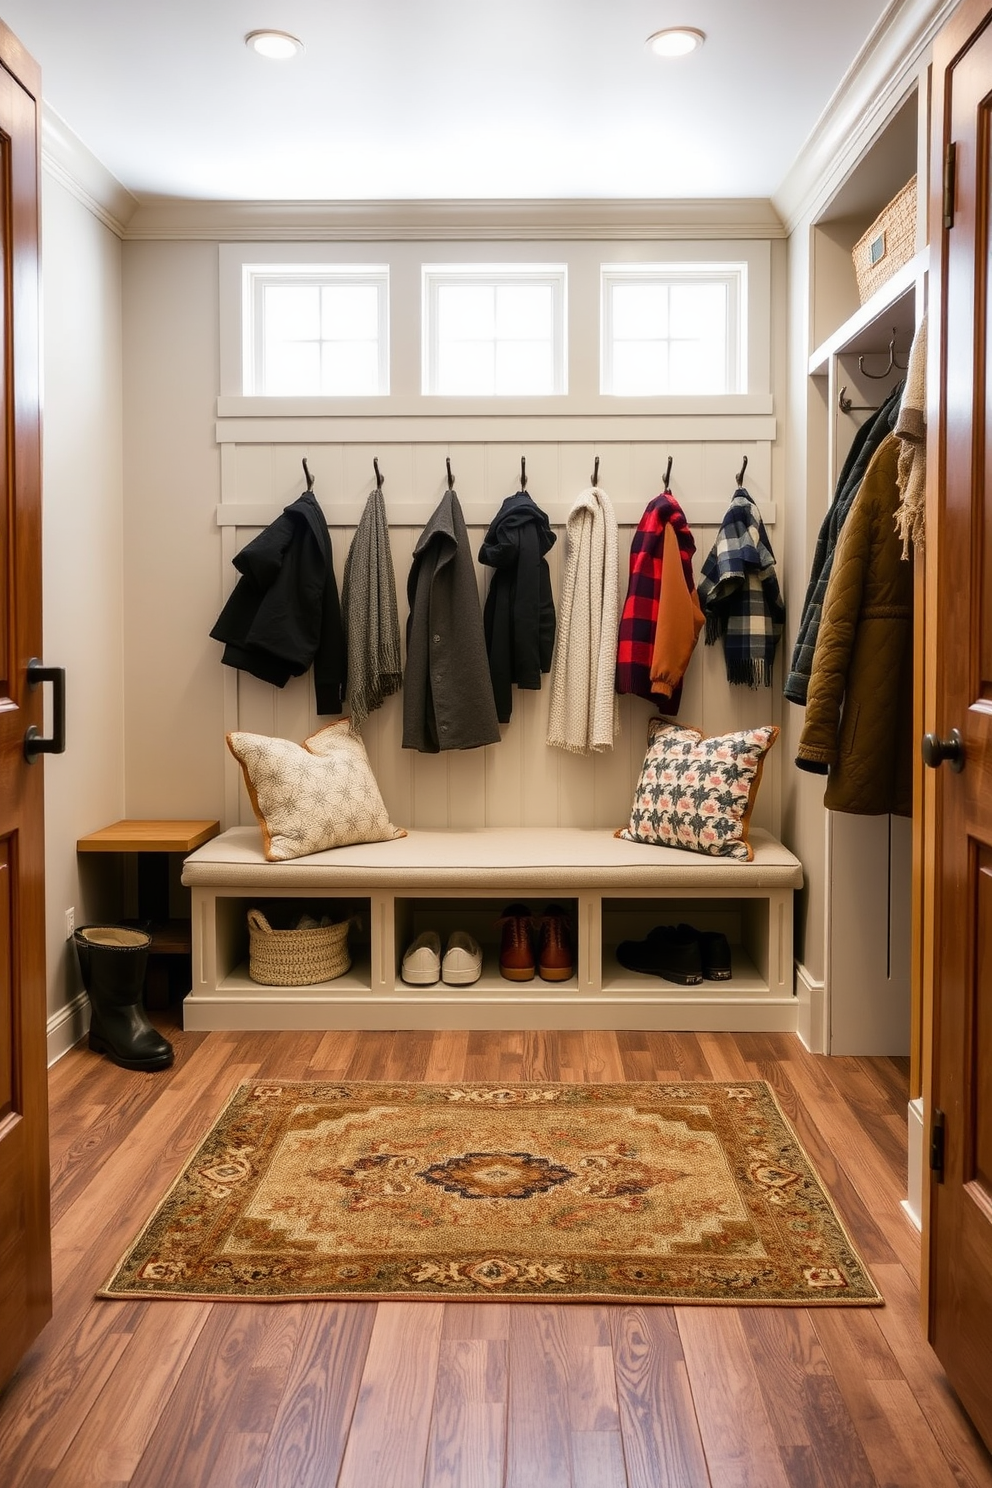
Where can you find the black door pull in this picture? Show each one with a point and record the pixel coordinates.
(35, 742)
(936, 750)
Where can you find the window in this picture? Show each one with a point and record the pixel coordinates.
(494, 330)
(673, 329)
(314, 330)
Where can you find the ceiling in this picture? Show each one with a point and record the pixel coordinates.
(428, 99)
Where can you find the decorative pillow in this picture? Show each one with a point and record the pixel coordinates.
(698, 793)
(312, 796)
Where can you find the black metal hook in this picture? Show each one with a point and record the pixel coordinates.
(379, 477)
(595, 472)
(893, 365)
(523, 473)
(846, 406)
(451, 478)
(306, 472)
(740, 473)
(668, 476)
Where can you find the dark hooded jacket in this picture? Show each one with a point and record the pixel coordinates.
(447, 694)
(284, 614)
(520, 611)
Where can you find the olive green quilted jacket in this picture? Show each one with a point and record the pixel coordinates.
(859, 708)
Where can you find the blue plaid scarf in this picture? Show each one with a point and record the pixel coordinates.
(740, 597)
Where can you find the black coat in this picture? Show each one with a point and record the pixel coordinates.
(447, 694)
(284, 614)
(520, 611)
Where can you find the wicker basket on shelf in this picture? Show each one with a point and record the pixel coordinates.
(299, 957)
(889, 243)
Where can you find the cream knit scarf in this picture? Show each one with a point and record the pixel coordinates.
(584, 715)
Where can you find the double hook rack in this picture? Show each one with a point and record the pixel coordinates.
(892, 365)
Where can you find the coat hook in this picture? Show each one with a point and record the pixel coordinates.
(595, 472)
(893, 365)
(846, 406)
(668, 476)
(523, 473)
(379, 477)
(451, 478)
(740, 473)
(306, 472)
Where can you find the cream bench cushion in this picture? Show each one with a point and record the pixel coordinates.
(551, 859)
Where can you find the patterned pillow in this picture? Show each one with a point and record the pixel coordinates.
(312, 796)
(698, 793)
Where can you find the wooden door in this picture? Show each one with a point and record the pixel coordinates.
(25, 1247)
(959, 621)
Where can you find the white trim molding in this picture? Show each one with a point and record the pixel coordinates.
(440, 221)
(66, 1027)
(859, 106)
(66, 159)
(913, 1202)
(812, 1020)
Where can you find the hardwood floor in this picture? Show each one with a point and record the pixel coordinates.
(420, 1395)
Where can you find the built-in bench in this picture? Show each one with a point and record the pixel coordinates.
(613, 890)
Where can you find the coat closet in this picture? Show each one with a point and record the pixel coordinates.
(869, 1000)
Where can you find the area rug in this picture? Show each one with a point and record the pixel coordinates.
(613, 1193)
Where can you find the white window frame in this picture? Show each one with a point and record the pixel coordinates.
(732, 274)
(436, 276)
(257, 277)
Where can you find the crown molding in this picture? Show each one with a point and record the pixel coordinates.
(877, 79)
(67, 160)
(399, 221)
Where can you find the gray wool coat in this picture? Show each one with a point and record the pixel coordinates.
(447, 691)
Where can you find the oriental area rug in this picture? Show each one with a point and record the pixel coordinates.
(613, 1193)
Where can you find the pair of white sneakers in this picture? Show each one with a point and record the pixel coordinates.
(461, 964)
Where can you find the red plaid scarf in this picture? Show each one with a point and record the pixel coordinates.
(639, 619)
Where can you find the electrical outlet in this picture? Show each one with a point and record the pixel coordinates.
(70, 922)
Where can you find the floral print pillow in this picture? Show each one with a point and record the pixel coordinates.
(698, 793)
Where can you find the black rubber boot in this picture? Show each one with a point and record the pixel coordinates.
(113, 960)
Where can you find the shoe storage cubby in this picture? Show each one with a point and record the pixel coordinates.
(610, 890)
(481, 918)
(231, 948)
(742, 921)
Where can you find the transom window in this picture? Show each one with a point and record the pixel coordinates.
(495, 330)
(314, 330)
(673, 329)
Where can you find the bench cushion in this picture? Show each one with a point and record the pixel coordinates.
(553, 859)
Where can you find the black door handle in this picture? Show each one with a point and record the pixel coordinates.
(35, 742)
(936, 750)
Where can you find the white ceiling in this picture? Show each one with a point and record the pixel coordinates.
(424, 99)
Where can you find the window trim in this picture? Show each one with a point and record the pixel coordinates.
(732, 273)
(257, 277)
(436, 276)
(583, 258)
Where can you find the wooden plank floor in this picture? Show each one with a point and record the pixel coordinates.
(458, 1395)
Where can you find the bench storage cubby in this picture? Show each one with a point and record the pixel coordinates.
(446, 880)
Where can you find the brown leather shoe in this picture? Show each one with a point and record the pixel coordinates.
(516, 950)
(556, 963)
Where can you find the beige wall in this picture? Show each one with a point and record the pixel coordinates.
(172, 696)
(179, 699)
(83, 567)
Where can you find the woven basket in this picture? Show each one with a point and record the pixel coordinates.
(296, 958)
(888, 244)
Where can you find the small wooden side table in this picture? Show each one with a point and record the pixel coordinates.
(153, 841)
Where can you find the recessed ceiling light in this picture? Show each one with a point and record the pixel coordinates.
(676, 41)
(277, 45)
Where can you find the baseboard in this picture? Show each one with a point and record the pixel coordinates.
(67, 1027)
(913, 1202)
(811, 1011)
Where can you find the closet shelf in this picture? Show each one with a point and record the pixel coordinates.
(893, 307)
